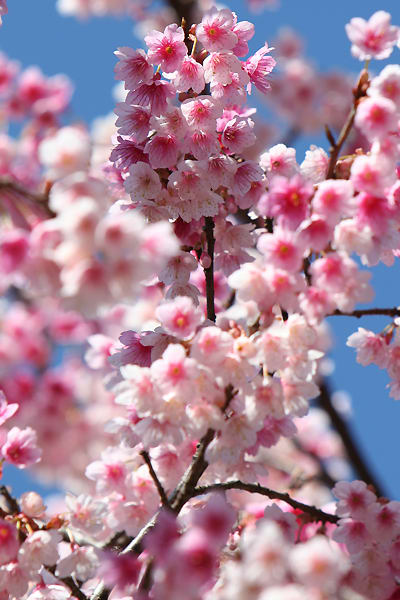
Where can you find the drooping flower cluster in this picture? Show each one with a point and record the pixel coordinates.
(179, 161)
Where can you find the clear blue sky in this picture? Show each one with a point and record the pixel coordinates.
(34, 33)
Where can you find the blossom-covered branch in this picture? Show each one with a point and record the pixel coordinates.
(312, 512)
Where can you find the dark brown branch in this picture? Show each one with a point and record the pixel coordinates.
(12, 505)
(354, 454)
(154, 477)
(195, 471)
(334, 151)
(69, 582)
(389, 312)
(182, 494)
(209, 272)
(312, 512)
(177, 500)
(329, 135)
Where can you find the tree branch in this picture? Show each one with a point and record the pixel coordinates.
(358, 92)
(209, 271)
(154, 477)
(354, 454)
(12, 504)
(195, 471)
(389, 312)
(69, 582)
(313, 512)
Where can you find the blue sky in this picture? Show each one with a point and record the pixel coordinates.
(34, 33)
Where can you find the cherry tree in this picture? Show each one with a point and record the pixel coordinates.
(167, 279)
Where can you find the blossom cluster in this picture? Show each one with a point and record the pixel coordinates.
(197, 141)
(380, 349)
(163, 323)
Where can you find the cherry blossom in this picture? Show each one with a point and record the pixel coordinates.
(167, 49)
(374, 38)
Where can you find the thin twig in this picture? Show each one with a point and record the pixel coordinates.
(69, 582)
(209, 271)
(154, 477)
(334, 151)
(316, 514)
(389, 312)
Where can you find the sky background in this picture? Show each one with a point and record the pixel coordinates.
(35, 34)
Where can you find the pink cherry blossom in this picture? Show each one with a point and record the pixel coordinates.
(216, 518)
(179, 317)
(333, 199)
(374, 38)
(315, 165)
(119, 571)
(6, 410)
(354, 498)
(8, 541)
(289, 200)
(155, 94)
(371, 348)
(219, 67)
(371, 174)
(244, 31)
(376, 117)
(202, 143)
(174, 371)
(167, 49)
(258, 67)
(135, 352)
(282, 249)
(246, 174)
(215, 30)
(142, 183)
(110, 472)
(126, 153)
(318, 563)
(133, 120)
(21, 448)
(352, 533)
(196, 556)
(279, 160)
(200, 112)
(189, 76)
(387, 84)
(162, 151)
(40, 548)
(133, 67)
(99, 352)
(238, 135)
(32, 504)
